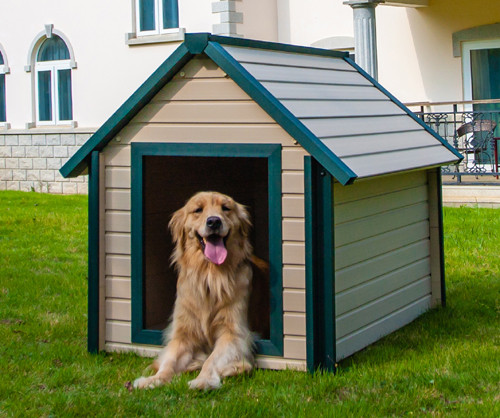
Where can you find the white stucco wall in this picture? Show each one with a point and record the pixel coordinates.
(416, 50)
(416, 61)
(305, 22)
(108, 70)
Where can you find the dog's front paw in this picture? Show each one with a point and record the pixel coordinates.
(203, 383)
(146, 383)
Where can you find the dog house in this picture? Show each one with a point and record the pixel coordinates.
(341, 180)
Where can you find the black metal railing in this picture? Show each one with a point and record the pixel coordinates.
(474, 133)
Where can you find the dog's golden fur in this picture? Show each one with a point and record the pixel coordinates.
(209, 329)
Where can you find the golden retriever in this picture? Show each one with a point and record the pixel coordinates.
(208, 329)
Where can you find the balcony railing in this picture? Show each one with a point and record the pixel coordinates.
(472, 128)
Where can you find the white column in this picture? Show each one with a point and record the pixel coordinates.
(365, 34)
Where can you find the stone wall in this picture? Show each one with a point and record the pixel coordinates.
(31, 162)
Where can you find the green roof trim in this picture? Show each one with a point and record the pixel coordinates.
(280, 113)
(448, 146)
(80, 160)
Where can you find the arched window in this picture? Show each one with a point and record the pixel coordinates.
(3, 115)
(156, 16)
(53, 82)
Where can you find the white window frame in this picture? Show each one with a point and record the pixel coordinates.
(158, 5)
(53, 67)
(467, 47)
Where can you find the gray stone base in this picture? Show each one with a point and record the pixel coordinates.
(31, 162)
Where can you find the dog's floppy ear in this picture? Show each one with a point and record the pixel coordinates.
(176, 225)
(244, 217)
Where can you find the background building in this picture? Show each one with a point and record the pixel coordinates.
(65, 66)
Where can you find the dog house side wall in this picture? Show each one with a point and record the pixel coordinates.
(201, 105)
(387, 274)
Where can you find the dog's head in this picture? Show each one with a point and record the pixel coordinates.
(210, 223)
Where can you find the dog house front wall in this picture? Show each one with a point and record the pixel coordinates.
(200, 105)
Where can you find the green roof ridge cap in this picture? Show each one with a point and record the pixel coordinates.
(196, 42)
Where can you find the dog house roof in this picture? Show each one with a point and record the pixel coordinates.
(334, 109)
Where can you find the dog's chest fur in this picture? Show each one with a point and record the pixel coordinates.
(207, 297)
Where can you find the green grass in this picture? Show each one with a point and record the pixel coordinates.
(445, 363)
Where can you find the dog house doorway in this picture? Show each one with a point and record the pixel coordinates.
(164, 177)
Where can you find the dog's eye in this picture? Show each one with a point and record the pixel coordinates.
(198, 210)
(225, 208)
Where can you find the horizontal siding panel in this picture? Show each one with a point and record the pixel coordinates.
(118, 332)
(293, 158)
(118, 199)
(367, 144)
(376, 164)
(116, 155)
(292, 182)
(373, 332)
(374, 289)
(294, 253)
(294, 324)
(330, 127)
(118, 287)
(358, 230)
(294, 347)
(117, 177)
(118, 265)
(277, 363)
(378, 204)
(139, 349)
(208, 133)
(340, 108)
(293, 230)
(264, 72)
(363, 250)
(294, 300)
(118, 309)
(372, 187)
(379, 308)
(200, 68)
(294, 277)
(203, 112)
(118, 243)
(201, 89)
(117, 221)
(375, 267)
(293, 206)
(262, 56)
(283, 91)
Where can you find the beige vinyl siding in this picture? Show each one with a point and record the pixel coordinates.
(383, 267)
(202, 105)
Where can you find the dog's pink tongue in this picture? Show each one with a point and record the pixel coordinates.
(215, 250)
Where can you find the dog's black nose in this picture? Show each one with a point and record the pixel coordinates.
(214, 222)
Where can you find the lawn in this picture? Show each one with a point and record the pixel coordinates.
(445, 363)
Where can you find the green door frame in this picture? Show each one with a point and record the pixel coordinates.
(93, 255)
(320, 267)
(273, 346)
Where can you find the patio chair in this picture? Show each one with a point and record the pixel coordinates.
(480, 144)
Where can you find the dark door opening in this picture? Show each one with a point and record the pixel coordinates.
(168, 182)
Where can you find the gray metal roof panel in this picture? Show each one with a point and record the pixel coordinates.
(320, 94)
